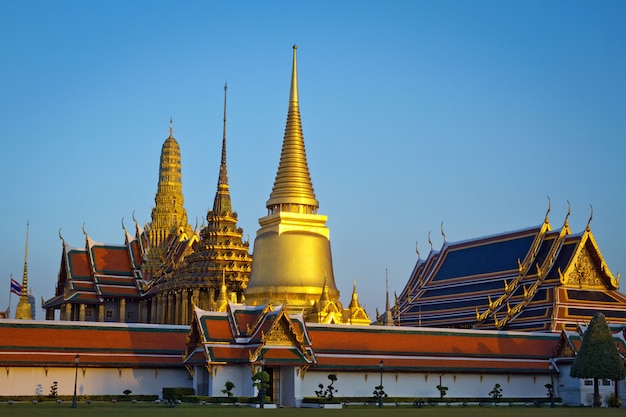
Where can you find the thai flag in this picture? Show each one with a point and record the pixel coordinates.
(16, 288)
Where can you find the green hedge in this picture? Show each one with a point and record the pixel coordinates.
(223, 400)
(177, 393)
(80, 398)
(427, 400)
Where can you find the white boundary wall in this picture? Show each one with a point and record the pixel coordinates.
(424, 385)
(91, 381)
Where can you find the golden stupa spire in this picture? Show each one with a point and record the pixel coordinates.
(354, 302)
(293, 189)
(222, 204)
(388, 318)
(292, 262)
(23, 310)
(169, 211)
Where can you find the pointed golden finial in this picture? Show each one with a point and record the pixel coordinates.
(123, 227)
(61, 237)
(430, 242)
(566, 223)
(590, 218)
(443, 234)
(354, 302)
(171, 128)
(417, 250)
(293, 94)
(23, 310)
(293, 185)
(84, 232)
(548, 211)
(223, 176)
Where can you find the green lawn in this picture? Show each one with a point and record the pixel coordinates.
(195, 410)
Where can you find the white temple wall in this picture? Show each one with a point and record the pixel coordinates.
(241, 376)
(421, 385)
(91, 381)
(580, 391)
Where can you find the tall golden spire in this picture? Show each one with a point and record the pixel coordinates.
(220, 256)
(222, 203)
(169, 212)
(292, 262)
(23, 310)
(293, 186)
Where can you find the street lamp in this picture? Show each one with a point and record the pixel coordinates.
(262, 383)
(381, 364)
(76, 362)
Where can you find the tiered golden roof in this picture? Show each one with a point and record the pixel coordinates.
(220, 256)
(169, 216)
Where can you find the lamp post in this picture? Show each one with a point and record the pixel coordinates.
(76, 362)
(381, 364)
(262, 405)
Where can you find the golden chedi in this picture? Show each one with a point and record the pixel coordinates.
(292, 259)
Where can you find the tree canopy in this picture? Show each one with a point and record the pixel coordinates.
(598, 356)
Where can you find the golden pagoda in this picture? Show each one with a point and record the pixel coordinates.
(169, 217)
(292, 262)
(219, 268)
(24, 311)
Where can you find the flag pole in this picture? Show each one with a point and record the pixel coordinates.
(10, 293)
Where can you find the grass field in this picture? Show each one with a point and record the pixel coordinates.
(196, 410)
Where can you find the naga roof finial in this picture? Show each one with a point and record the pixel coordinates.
(590, 218)
(548, 211)
(442, 233)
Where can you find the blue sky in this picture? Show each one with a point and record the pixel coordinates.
(414, 113)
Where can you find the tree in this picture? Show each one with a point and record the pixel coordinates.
(228, 388)
(260, 381)
(442, 391)
(496, 392)
(330, 390)
(598, 357)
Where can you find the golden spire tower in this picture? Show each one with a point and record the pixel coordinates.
(23, 311)
(292, 258)
(220, 256)
(169, 212)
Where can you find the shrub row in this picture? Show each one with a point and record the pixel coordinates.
(82, 398)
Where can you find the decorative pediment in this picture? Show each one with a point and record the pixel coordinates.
(585, 272)
(280, 334)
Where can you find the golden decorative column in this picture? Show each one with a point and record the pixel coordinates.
(122, 311)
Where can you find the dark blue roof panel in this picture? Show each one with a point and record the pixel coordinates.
(484, 259)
